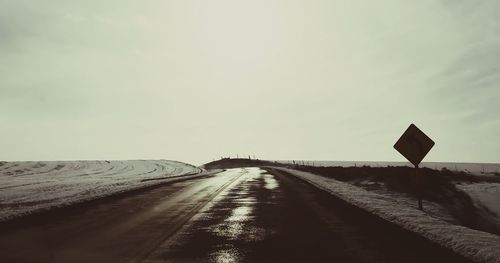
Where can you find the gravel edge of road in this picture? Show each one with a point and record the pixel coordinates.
(472, 244)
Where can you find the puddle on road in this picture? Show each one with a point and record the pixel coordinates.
(247, 200)
(241, 213)
(226, 255)
(271, 183)
(238, 226)
(232, 230)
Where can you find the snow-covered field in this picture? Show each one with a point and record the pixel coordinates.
(27, 187)
(476, 245)
(473, 168)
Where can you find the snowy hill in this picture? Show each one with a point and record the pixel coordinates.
(27, 187)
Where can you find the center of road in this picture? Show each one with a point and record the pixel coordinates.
(259, 218)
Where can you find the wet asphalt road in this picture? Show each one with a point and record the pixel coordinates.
(240, 215)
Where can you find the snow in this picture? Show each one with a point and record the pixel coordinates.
(486, 194)
(28, 187)
(433, 209)
(475, 245)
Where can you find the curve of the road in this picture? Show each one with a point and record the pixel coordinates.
(238, 215)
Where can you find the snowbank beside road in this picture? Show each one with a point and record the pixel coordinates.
(27, 187)
(475, 245)
(486, 194)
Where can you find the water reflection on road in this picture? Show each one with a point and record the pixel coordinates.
(271, 183)
(239, 225)
(228, 224)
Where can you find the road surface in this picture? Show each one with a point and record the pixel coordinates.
(239, 215)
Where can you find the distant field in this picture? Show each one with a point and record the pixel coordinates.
(474, 168)
(27, 187)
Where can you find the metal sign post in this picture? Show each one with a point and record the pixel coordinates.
(414, 146)
(419, 189)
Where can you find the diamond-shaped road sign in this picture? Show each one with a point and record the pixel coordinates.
(414, 145)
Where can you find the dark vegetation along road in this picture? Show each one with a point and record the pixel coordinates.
(239, 215)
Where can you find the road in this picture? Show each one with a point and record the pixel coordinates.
(239, 215)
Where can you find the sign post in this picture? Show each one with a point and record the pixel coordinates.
(414, 146)
(419, 188)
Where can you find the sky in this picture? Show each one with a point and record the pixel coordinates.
(197, 80)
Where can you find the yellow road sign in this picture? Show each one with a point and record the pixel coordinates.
(414, 145)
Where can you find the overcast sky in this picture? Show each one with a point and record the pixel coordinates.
(196, 80)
